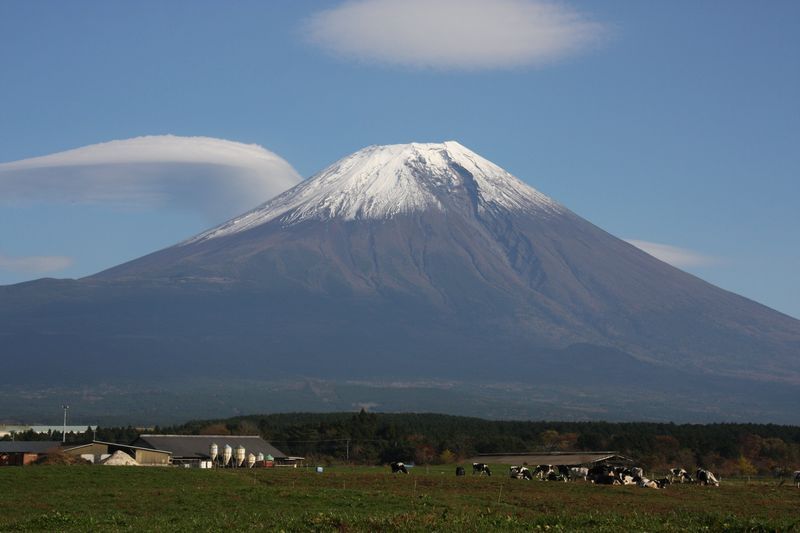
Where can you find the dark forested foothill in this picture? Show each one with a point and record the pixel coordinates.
(370, 438)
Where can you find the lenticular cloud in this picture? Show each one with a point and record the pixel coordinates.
(675, 256)
(454, 34)
(217, 177)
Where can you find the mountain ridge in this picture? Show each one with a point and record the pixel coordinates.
(477, 284)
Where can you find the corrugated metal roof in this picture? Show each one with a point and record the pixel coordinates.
(555, 459)
(115, 445)
(28, 446)
(196, 446)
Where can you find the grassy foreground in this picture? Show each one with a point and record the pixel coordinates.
(63, 498)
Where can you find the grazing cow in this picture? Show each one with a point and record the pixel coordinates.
(460, 471)
(578, 472)
(797, 478)
(663, 482)
(646, 483)
(601, 475)
(397, 467)
(520, 472)
(679, 474)
(481, 469)
(542, 471)
(637, 472)
(563, 471)
(555, 475)
(705, 477)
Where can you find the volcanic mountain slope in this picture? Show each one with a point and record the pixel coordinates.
(421, 260)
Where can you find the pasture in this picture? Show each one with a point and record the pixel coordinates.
(82, 498)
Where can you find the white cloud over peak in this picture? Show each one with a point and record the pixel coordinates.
(675, 256)
(216, 177)
(454, 34)
(35, 264)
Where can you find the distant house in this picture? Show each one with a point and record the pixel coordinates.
(554, 458)
(19, 453)
(192, 449)
(97, 451)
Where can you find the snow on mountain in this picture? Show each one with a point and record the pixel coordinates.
(381, 182)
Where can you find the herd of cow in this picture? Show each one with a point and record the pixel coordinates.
(603, 474)
(599, 474)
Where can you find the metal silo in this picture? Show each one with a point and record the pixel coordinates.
(227, 453)
(213, 451)
(240, 455)
(251, 460)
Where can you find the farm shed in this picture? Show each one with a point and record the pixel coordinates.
(19, 453)
(192, 449)
(554, 458)
(96, 451)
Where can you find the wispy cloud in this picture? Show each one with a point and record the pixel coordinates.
(217, 177)
(454, 34)
(675, 256)
(35, 264)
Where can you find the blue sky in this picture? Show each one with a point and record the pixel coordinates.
(674, 122)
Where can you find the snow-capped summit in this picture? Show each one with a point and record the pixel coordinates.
(418, 260)
(381, 182)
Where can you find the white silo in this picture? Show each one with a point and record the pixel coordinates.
(251, 460)
(213, 451)
(240, 455)
(260, 457)
(227, 453)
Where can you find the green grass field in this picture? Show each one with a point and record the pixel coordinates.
(84, 498)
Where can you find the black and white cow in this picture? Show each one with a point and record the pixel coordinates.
(647, 483)
(520, 472)
(797, 478)
(601, 475)
(578, 472)
(542, 471)
(705, 477)
(460, 471)
(481, 469)
(680, 475)
(624, 475)
(398, 467)
(564, 472)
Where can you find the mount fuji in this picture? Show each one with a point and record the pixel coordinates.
(416, 262)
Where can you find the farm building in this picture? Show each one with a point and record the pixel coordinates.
(19, 453)
(97, 451)
(194, 449)
(554, 458)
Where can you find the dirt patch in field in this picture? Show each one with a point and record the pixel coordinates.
(61, 459)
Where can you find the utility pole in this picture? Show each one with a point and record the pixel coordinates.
(64, 433)
(348, 451)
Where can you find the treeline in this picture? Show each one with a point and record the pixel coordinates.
(125, 435)
(379, 438)
(372, 438)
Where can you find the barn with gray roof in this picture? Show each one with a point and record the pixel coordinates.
(191, 449)
(555, 458)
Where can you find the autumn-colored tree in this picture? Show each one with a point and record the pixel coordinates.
(214, 429)
(447, 457)
(746, 468)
